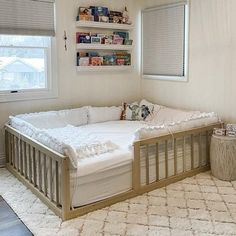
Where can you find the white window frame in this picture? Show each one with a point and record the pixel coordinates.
(51, 90)
(183, 78)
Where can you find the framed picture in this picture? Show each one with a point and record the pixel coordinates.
(96, 40)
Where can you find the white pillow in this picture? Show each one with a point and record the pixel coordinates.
(43, 120)
(168, 115)
(57, 119)
(24, 127)
(103, 114)
(146, 103)
(75, 117)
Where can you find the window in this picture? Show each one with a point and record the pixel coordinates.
(164, 42)
(23, 63)
(27, 67)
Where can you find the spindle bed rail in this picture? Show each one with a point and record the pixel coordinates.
(47, 173)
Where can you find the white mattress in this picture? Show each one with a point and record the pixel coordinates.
(118, 178)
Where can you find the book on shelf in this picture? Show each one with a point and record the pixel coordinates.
(94, 59)
(103, 14)
(118, 37)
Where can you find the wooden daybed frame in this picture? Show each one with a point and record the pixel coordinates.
(24, 155)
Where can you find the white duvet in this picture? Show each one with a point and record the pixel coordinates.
(87, 144)
(76, 142)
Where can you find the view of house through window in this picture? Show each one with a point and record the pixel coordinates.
(23, 62)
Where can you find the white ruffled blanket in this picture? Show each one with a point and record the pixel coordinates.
(185, 121)
(76, 142)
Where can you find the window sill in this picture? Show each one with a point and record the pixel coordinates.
(166, 78)
(29, 95)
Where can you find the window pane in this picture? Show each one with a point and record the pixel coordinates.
(22, 68)
(30, 41)
(164, 40)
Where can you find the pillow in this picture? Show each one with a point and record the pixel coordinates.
(43, 120)
(103, 114)
(57, 119)
(168, 115)
(23, 126)
(147, 103)
(135, 111)
(131, 111)
(75, 117)
(147, 109)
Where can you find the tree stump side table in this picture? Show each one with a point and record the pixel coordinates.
(223, 157)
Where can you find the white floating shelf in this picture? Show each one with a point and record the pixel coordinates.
(115, 47)
(102, 25)
(103, 68)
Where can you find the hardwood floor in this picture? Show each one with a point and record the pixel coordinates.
(10, 224)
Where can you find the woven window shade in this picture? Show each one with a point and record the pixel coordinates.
(27, 17)
(164, 40)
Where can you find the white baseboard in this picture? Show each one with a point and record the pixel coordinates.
(2, 159)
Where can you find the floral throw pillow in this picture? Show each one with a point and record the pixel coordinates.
(134, 111)
(131, 111)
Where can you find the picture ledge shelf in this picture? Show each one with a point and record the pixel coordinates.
(88, 46)
(102, 25)
(103, 68)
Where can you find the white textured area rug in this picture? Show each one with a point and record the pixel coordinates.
(201, 205)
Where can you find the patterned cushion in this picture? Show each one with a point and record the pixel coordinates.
(135, 111)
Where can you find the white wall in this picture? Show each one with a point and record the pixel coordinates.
(212, 61)
(77, 89)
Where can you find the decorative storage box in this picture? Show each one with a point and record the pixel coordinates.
(220, 132)
(230, 131)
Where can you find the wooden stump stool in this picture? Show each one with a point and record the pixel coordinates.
(223, 157)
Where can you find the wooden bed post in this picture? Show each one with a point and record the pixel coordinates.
(65, 188)
(136, 168)
(7, 146)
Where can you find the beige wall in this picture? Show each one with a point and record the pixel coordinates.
(77, 89)
(212, 61)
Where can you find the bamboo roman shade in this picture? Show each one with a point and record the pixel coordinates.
(164, 40)
(27, 17)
